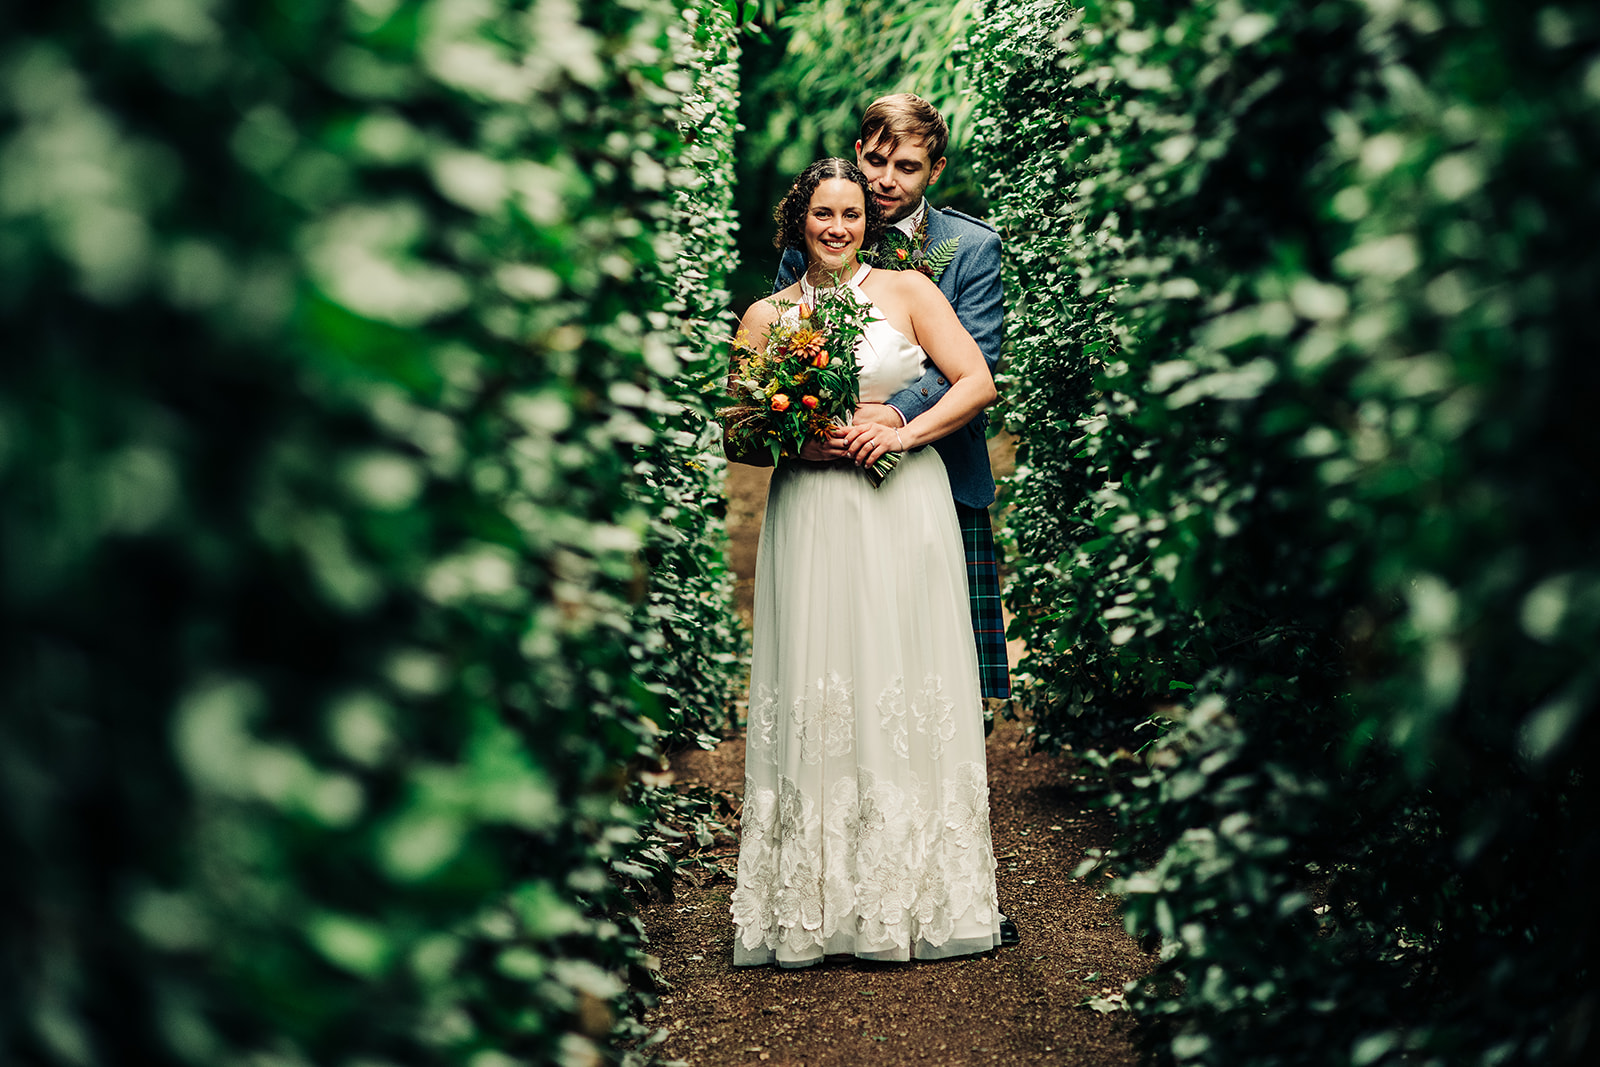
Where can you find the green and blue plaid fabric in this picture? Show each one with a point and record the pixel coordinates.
(983, 589)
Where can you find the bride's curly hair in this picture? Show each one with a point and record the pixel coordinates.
(790, 214)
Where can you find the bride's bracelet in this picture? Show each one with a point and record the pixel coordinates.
(897, 439)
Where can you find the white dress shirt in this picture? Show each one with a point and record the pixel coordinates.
(908, 225)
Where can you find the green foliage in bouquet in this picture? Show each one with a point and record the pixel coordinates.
(1300, 356)
(339, 346)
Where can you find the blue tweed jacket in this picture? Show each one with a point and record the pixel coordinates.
(972, 285)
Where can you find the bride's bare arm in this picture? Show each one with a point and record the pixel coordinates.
(953, 351)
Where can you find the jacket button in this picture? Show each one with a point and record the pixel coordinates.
(941, 381)
(924, 392)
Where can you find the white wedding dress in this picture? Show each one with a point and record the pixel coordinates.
(866, 805)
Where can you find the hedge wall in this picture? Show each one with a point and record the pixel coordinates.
(693, 648)
(337, 352)
(1305, 507)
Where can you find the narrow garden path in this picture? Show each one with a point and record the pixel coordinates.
(1020, 1005)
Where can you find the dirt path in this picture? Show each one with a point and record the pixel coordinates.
(1019, 1005)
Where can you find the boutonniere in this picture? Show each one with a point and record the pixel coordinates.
(896, 251)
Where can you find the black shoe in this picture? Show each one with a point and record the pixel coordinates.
(1008, 933)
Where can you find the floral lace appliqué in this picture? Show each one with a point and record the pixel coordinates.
(824, 719)
(838, 717)
(889, 862)
(892, 717)
(934, 714)
(764, 714)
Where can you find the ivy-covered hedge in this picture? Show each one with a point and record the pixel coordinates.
(338, 346)
(693, 647)
(1305, 506)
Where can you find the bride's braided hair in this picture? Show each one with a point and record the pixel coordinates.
(790, 214)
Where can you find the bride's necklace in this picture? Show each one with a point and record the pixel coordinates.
(809, 293)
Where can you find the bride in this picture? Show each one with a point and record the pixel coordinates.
(866, 808)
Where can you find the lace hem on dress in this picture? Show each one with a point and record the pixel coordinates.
(877, 869)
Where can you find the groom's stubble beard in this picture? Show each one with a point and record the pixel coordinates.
(900, 210)
(902, 206)
(905, 192)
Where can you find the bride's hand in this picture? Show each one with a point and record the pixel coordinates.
(824, 449)
(866, 443)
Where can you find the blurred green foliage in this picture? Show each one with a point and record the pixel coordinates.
(810, 70)
(1305, 510)
(340, 357)
(692, 648)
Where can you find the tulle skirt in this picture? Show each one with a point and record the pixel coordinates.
(865, 827)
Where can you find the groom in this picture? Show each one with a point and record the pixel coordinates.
(901, 152)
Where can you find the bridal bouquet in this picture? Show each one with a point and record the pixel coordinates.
(803, 384)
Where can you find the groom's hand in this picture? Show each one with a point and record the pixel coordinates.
(824, 449)
(878, 415)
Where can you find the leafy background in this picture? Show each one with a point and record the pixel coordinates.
(352, 475)
(1304, 511)
(362, 554)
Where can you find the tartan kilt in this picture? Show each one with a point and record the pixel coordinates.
(983, 590)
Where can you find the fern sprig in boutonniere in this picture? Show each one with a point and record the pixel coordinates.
(896, 251)
(937, 258)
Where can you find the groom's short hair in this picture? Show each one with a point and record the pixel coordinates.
(905, 116)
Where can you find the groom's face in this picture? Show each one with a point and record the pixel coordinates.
(899, 176)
